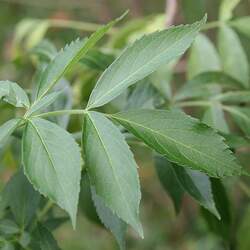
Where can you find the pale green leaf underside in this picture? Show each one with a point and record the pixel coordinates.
(203, 57)
(178, 180)
(169, 181)
(52, 163)
(182, 139)
(141, 59)
(242, 25)
(12, 93)
(198, 186)
(109, 219)
(67, 57)
(112, 168)
(215, 118)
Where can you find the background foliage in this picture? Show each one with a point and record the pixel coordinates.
(216, 75)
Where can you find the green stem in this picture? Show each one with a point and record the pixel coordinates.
(211, 25)
(69, 24)
(193, 104)
(63, 112)
(41, 214)
(45, 210)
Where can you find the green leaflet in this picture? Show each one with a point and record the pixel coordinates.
(7, 129)
(22, 199)
(234, 61)
(45, 50)
(112, 169)
(169, 181)
(215, 118)
(142, 96)
(12, 93)
(202, 85)
(68, 57)
(203, 57)
(109, 219)
(95, 209)
(141, 59)
(64, 101)
(182, 139)
(8, 227)
(177, 180)
(57, 158)
(43, 103)
(222, 227)
(97, 60)
(198, 186)
(242, 25)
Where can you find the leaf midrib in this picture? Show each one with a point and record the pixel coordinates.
(110, 161)
(141, 68)
(50, 160)
(171, 139)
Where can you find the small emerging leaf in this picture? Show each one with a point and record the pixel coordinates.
(12, 93)
(7, 129)
(43, 103)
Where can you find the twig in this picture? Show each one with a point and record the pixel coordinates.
(171, 9)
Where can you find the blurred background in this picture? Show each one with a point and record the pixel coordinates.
(62, 21)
